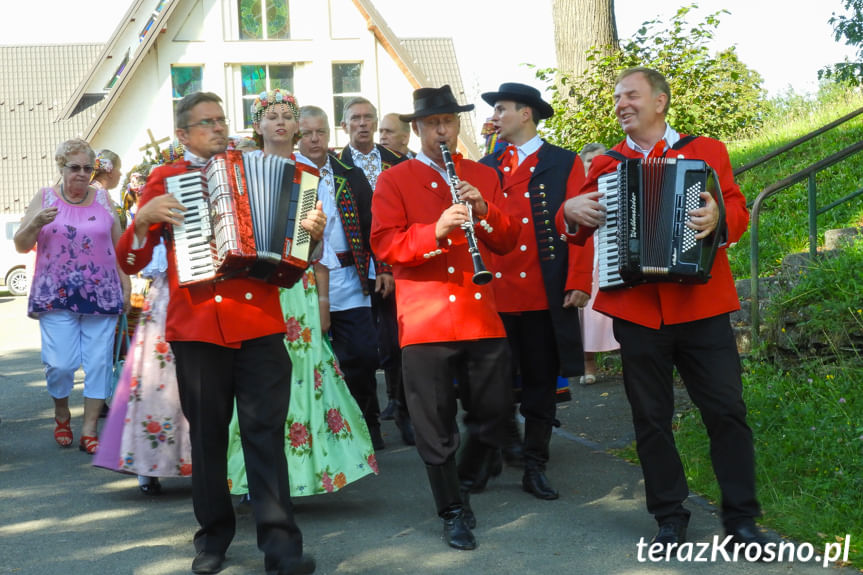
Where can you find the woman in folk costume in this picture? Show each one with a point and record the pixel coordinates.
(326, 439)
(145, 432)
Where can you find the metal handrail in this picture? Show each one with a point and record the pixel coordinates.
(797, 142)
(806, 173)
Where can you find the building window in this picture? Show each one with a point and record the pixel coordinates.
(346, 85)
(257, 78)
(264, 19)
(118, 72)
(185, 80)
(146, 29)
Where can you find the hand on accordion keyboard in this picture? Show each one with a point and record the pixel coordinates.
(584, 210)
(704, 219)
(161, 209)
(315, 222)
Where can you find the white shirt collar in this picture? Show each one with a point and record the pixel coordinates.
(196, 161)
(528, 148)
(670, 136)
(430, 163)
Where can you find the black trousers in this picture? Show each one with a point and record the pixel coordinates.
(355, 342)
(258, 375)
(430, 371)
(534, 355)
(706, 357)
(389, 351)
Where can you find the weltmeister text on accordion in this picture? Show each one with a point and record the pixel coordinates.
(243, 219)
(645, 237)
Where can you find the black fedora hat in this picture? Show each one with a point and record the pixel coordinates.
(523, 94)
(431, 101)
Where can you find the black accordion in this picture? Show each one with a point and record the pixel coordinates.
(243, 219)
(644, 237)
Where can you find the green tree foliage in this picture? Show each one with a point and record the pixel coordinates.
(850, 27)
(715, 96)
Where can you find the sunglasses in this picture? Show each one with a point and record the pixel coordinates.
(76, 168)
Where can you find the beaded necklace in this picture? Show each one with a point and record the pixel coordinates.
(68, 201)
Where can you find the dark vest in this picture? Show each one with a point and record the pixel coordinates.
(547, 188)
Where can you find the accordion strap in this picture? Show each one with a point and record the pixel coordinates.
(680, 144)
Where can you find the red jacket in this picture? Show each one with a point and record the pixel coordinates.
(435, 297)
(225, 312)
(653, 305)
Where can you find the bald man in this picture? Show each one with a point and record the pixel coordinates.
(395, 135)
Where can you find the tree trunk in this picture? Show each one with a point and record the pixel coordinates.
(579, 25)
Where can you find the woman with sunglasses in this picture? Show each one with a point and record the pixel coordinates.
(77, 292)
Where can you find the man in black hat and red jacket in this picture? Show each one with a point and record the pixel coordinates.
(537, 291)
(449, 328)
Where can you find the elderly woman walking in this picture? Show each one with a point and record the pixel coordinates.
(77, 292)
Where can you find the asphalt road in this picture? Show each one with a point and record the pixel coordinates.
(61, 516)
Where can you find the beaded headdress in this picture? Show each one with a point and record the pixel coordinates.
(273, 98)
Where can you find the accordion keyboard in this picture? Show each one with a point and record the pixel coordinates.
(192, 238)
(605, 239)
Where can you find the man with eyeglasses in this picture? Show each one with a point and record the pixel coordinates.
(363, 157)
(228, 342)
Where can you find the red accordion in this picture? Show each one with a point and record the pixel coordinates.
(243, 219)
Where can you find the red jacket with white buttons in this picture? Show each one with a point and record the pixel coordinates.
(225, 312)
(656, 304)
(435, 297)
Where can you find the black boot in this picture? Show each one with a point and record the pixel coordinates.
(537, 435)
(513, 450)
(445, 489)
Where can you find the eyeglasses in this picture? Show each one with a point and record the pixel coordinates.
(76, 168)
(211, 123)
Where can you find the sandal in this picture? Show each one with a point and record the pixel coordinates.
(63, 432)
(588, 379)
(89, 444)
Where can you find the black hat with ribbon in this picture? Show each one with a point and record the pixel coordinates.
(431, 101)
(522, 93)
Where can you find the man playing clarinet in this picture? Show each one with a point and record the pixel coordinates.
(661, 326)
(449, 328)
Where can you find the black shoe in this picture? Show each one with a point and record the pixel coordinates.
(377, 438)
(748, 534)
(535, 482)
(389, 412)
(670, 533)
(301, 566)
(207, 562)
(456, 532)
(150, 485)
(403, 422)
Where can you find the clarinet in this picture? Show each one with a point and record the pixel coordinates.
(481, 275)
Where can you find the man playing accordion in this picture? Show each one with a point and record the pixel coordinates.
(665, 325)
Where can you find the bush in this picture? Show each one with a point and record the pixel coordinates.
(716, 96)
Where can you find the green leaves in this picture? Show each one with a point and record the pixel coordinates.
(715, 96)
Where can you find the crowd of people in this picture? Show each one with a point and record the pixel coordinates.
(271, 392)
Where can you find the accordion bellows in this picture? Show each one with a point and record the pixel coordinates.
(243, 219)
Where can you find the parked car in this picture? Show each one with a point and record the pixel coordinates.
(15, 268)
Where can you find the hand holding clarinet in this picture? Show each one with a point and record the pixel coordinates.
(467, 201)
